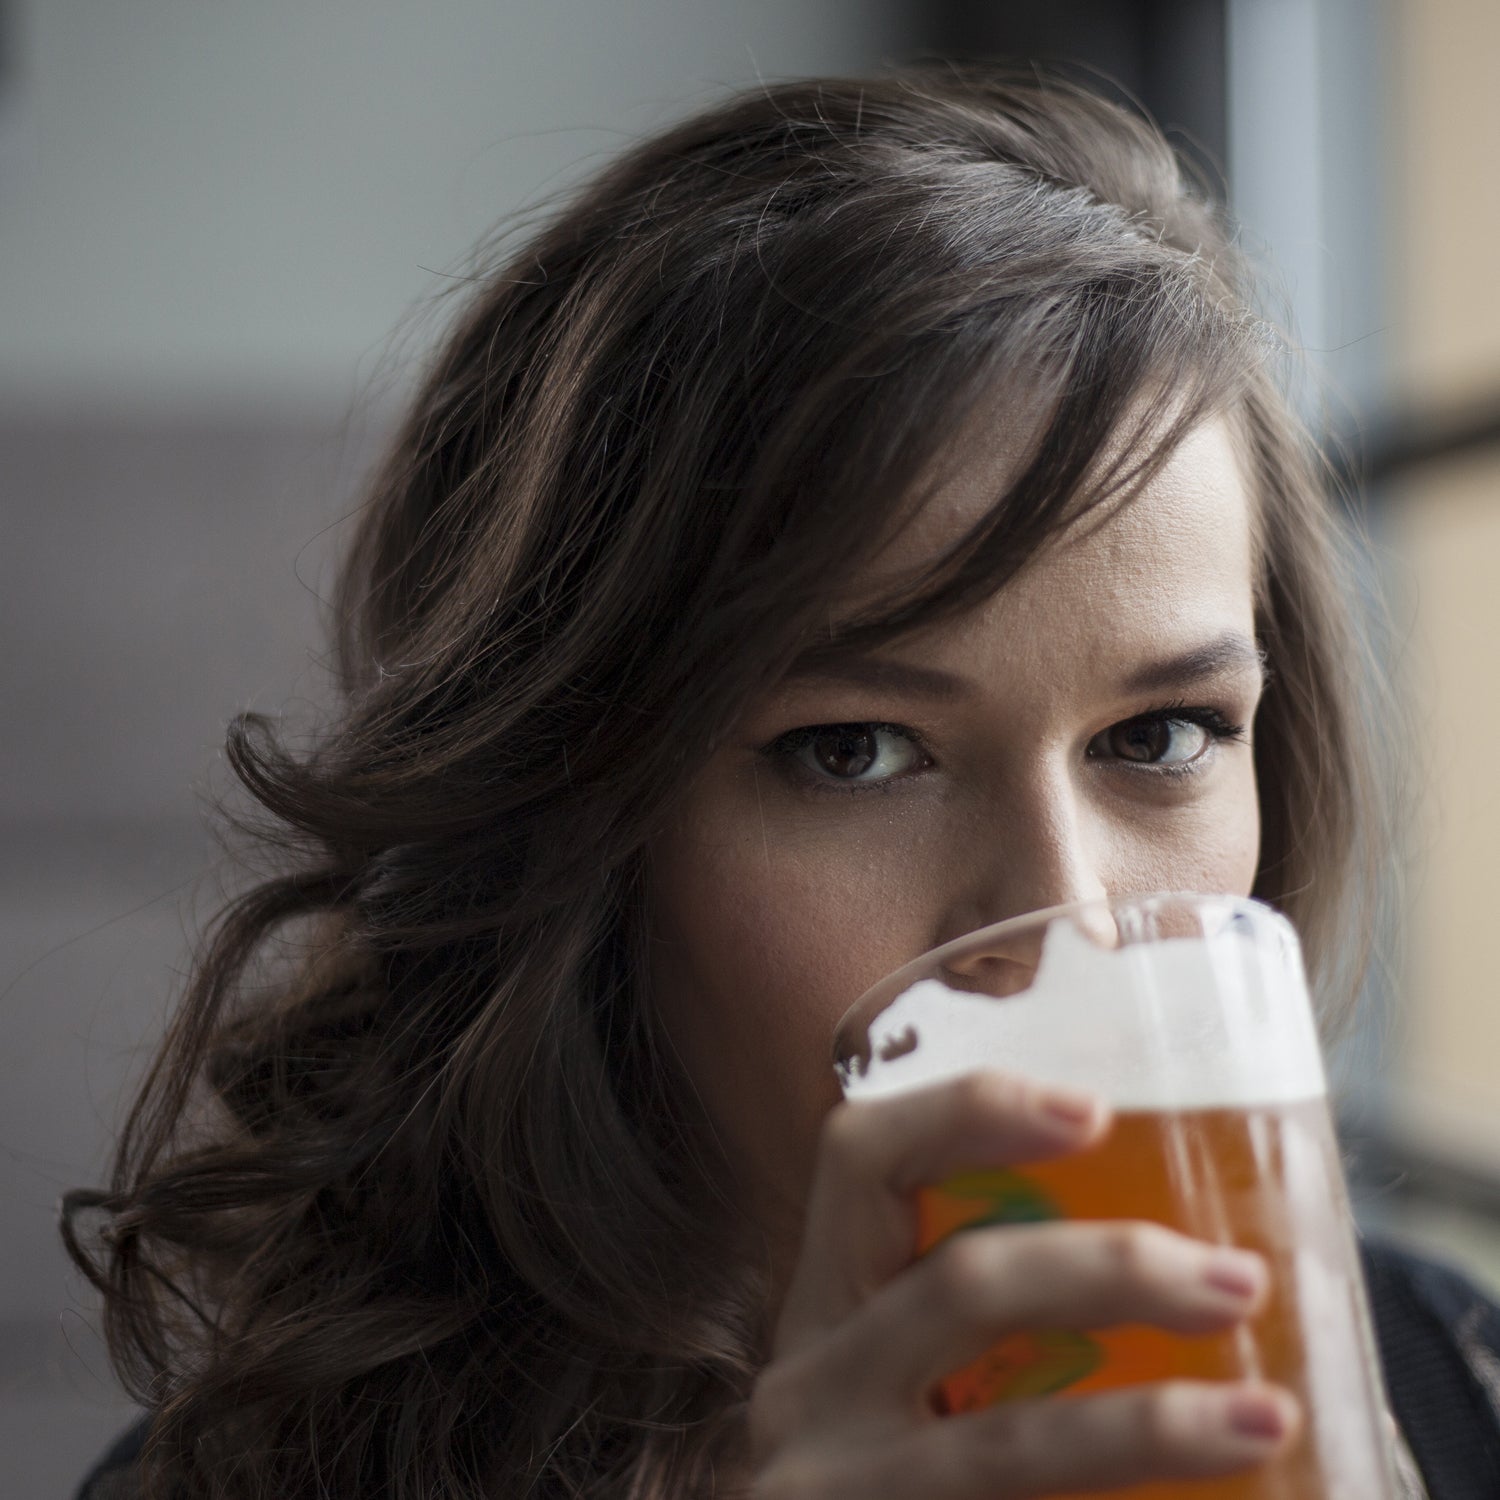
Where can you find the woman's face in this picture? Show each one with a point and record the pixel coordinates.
(1084, 732)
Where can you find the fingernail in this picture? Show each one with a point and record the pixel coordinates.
(1069, 1107)
(1236, 1273)
(1259, 1416)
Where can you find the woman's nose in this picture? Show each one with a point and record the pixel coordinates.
(1025, 864)
(1001, 968)
(1004, 960)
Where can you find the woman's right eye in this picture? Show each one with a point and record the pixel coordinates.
(853, 755)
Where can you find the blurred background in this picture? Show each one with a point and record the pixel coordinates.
(221, 231)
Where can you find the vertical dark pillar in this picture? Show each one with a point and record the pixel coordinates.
(1168, 55)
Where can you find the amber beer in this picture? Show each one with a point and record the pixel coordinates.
(1193, 1021)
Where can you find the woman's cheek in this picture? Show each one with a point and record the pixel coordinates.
(1222, 850)
(809, 901)
(766, 924)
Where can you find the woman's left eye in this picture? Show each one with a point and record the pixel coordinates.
(1169, 738)
(850, 754)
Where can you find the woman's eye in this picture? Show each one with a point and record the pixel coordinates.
(1162, 739)
(851, 753)
(1157, 742)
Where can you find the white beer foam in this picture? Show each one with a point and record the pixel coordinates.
(1138, 1025)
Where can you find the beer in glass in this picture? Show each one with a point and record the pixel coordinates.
(1189, 1015)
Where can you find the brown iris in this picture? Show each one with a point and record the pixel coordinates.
(846, 750)
(1150, 741)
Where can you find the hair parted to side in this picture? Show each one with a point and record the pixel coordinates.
(433, 1214)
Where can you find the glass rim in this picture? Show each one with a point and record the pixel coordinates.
(875, 999)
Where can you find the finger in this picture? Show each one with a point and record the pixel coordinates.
(1175, 1430)
(981, 1284)
(860, 1227)
(1027, 1449)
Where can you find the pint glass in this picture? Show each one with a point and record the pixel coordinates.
(1189, 1015)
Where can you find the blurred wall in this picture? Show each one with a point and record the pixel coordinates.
(1444, 136)
(224, 201)
(1444, 534)
(1308, 181)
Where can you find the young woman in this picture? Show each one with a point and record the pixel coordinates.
(865, 513)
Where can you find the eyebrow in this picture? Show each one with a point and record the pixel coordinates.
(1226, 654)
(881, 673)
(1229, 653)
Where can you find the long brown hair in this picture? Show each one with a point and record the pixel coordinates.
(426, 1211)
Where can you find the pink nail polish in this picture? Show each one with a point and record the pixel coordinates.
(1070, 1108)
(1253, 1415)
(1235, 1273)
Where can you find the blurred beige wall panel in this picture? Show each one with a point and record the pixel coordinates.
(1445, 530)
(1446, 145)
(1446, 1084)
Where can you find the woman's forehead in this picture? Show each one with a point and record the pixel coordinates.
(1198, 487)
(1165, 577)
(1162, 575)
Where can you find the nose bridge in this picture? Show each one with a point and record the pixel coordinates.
(1037, 847)
(1036, 850)
(1067, 857)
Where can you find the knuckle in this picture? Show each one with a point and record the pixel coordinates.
(775, 1402)
(960, 1272)
(788, 1479)
(1004, 1449)
(1136, 1252)
(986, 1095)
(845, 1143)
(1165, 1421)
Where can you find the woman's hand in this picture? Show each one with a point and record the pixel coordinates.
(843, 1409)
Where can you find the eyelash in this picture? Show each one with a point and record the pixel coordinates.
(785, 746)
(1218, 725)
